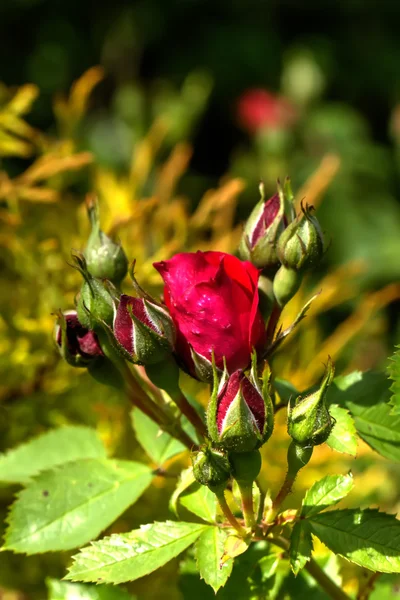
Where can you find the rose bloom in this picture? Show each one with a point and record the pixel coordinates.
(213, 300)
(258, 109)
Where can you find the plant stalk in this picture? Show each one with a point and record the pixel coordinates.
(229, 514)
(326, 583)
(246, 493)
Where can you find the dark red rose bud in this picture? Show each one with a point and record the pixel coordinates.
(77, 345)
(213, 300)
(144, 330)
(239, 415)
(262, 230)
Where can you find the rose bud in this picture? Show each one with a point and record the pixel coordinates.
(309, 421)
(144, 330)
(105, 258)
(213, 300)
(240, 413)
(211, 467)
(301, 245)
(262, 230)
(96, 303)
(76, 344)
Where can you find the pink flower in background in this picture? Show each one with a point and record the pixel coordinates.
(258, 109)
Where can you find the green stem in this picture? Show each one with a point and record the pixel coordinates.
(246, 493)
(229, 514)
(190, 413)
(140, 398)
(326, 583)
(280, 498)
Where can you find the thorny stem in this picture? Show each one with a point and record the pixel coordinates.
(326, 583)
(229, 514)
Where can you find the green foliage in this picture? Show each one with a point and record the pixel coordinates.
(200, 501)
(210, 548)
(366, 537)
(49, 450)
(326, 492)
(157, 444)
(186, 479)
(300, 546)
(366, 396)
(394, 374)
(343, 436)
(127, 556)
(63, 590)
(69, 506)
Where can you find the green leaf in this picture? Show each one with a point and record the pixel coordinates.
(71, 505)
(394, 374)
(157, 444)
(386, 587)
(186, 479)
(326, 492)
(368, 538)
(209, 551)
(53, 448)
(201, 501)
(300, 547)
(63, 590)
(128, 556)
(366, 395)
(343, 437)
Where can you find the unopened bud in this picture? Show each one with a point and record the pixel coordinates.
(105, 258)
(240, 413)
(144, 330)
(262, 230)
(301, 245)
(211, 467)
(77, 345)
(309, 420)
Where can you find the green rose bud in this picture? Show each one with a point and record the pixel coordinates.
(105, 258)
(301, 245)
(211, 467)
(309, 421)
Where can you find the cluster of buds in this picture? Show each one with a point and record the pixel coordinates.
(283, 245)
(212, 326)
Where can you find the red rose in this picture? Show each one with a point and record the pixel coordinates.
(213, 300)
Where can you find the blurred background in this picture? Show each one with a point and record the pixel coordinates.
(171, 112)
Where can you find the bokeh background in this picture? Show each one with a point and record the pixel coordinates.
(171, 112)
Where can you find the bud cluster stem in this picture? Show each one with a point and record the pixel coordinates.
(139, 397)
(229, 514)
